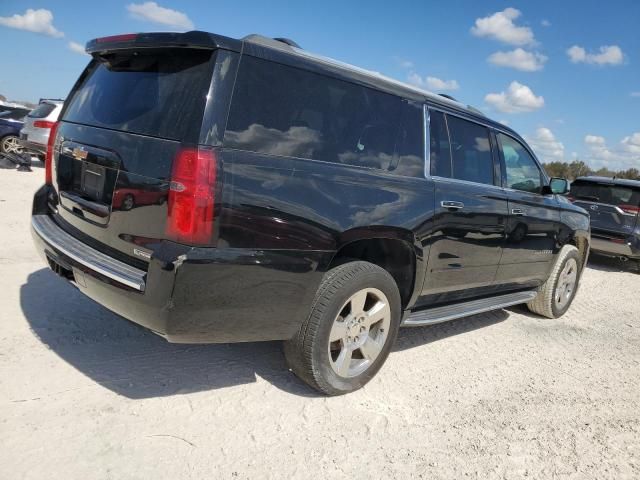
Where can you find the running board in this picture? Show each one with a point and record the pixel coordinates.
(458, 310)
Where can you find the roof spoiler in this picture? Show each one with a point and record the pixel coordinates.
(193, 39)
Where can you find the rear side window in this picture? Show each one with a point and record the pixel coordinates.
(440, 153)
(281, 110)
(43, 110)
(157, 93)
(471, 151)
(522, 171)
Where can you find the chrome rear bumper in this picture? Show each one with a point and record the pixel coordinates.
(62, 243)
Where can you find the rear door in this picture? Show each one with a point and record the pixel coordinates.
(613, 208)
(127, 118)
(471, 210)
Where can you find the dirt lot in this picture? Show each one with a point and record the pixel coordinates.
(86, 394)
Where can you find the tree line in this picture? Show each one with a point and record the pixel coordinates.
(578, 168)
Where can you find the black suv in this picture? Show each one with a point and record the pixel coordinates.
(221, 190)
(614, 206)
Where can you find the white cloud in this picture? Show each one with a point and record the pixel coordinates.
(77, 48)
(546, 146)
(545, 23)
(152, 12)
(609, 55)
(433, 83)
(500, 26)
(623, 156)
(517, 99)
(519, 59)
(37, 21)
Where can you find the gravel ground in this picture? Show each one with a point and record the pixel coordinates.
(86, 394)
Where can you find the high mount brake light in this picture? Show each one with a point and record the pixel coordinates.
(126, 37)
(191, 204)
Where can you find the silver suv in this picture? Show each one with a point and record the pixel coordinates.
(37, 126)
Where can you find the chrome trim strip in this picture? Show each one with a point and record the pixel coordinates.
(87, 256)
(427, 140)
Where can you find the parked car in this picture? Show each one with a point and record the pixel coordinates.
(11, 121)
(614, 206)
(303, 203)
(34, 136)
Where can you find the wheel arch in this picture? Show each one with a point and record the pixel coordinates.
(393, 249)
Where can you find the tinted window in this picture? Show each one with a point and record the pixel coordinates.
(43, 110)
(14, 114)
(410, 146)
(150, 93)
(440, 153)
(522, 171)
(619, 195)
(281, 110)
(471, 151)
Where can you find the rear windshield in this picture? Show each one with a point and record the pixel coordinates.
(43, 110)
(619, 195)
(156, 93)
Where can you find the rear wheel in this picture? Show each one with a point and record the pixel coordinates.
(556, 294)
(352, 326)
(11, 144)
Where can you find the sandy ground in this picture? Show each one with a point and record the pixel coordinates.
(86, 394)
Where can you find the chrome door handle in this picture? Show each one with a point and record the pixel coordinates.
(451, 205)
(518, 211)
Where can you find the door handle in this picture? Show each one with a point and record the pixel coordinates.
(451, 205)
(518, 211)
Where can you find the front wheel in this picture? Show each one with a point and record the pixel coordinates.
(556, 294)
(352, 326)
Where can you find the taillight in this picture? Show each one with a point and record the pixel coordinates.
(43, 124)
(633, 210)
(48, 159)
(191, 202)
(571, 198)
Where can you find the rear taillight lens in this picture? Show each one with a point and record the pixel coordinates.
(43, 124)
(191, 202)
(633, 210)
(48, 159)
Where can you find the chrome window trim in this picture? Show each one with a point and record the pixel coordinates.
(543, 174)
(468, 182)
(427, 140)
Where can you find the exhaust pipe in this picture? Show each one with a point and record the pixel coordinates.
(623, 259)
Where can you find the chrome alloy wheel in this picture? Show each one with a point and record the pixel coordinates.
(11, 144)
(359, 332)
(566, 283)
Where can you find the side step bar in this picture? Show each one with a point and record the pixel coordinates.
(458, 310)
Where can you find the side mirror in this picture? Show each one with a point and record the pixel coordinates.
(559, 186)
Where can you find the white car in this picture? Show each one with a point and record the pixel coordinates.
(37, 126)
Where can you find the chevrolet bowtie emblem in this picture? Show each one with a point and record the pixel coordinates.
(79, 153)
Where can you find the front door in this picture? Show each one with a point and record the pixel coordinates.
(534, 218)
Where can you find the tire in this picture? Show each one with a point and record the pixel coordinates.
(335, 313)
(546, 302)
(10, 144)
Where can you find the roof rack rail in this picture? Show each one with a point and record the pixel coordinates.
(271, 42)
(450, 97)
(476, 110)
(287, 41)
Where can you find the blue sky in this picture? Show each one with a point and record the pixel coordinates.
(565, 74)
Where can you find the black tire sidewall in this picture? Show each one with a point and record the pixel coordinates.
(555, 310)
(320, 354)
